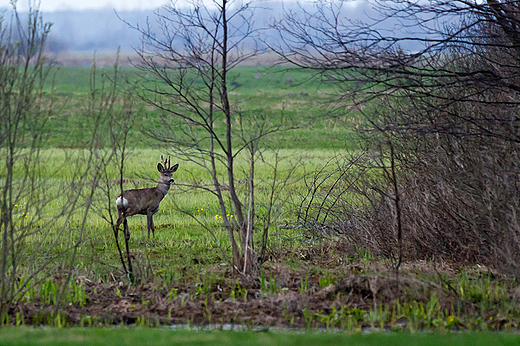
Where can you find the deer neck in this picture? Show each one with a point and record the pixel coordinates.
(163, 188)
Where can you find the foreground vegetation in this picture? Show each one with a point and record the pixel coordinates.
(124, 336)
(286, 213)
(309, 280)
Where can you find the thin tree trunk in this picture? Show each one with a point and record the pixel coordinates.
(229, 147)
(397, 201)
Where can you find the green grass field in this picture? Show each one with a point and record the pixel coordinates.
(129, 336)
(258, 90)
(307, 281)
(180, 240)
(183, 253)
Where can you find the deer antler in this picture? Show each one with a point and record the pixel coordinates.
(166, 163)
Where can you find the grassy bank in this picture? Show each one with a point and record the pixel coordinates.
(124, 336)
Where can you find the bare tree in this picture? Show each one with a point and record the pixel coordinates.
(186, 76)
(440, 81)
(27, 215)
(468, 46)
(23, 106)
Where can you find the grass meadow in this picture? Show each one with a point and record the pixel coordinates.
(308, 282)
(180, 241)
(277, 92)
(47, 336)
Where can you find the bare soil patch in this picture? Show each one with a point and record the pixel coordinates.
(298, 299)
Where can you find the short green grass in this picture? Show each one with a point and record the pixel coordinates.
(158, 337)
(179, 239)
(255, 91)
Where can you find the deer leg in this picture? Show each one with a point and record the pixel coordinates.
(127, 232)
(120, 218)
(150, 224)
(116, 229)
(116, 234)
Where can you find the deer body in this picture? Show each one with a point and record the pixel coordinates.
(145, 201)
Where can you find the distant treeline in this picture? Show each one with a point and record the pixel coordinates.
(104, 30)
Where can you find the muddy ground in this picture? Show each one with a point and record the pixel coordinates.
(297, 301)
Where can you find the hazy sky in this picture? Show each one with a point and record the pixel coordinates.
(120, 5)
(58, 5)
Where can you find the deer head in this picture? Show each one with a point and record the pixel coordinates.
(166, 171)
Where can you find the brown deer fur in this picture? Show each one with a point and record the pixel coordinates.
(145, 201)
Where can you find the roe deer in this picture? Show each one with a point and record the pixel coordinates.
(145, 201)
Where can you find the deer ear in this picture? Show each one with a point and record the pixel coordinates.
(174, 168)
(160, 168)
